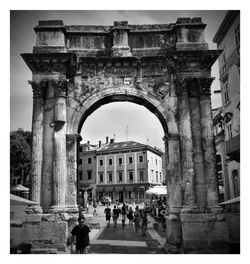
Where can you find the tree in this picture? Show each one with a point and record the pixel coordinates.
(20, 154)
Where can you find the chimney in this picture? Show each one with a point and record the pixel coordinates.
(100, 143)
(111, 141)
(107, 140)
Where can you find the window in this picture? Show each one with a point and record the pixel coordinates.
(130, 160)
(89, 160)
(141, 173)
(100, 177)
(235, 177)
(226, 93)
(80, 175)
(110, 161)
(120, 176)
(229, 131)
(110, 176)
(160, 177)
(140, 158)
(101, 162)
(131, 176)
(120, 161)
(156, 174)
(155, 161)
(130, 195)
(80, 161)
(89, 175)
(80, 149)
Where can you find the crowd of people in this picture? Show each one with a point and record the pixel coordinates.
(136, 217)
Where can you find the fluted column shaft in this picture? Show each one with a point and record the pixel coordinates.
(194, 103)
(208, 142)
(71, 190)
(59, 149)
(37, 143)
(186, 144)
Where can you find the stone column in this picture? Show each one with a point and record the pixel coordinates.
(37, 143)
(186, 143)
(59, 157)
(72, 190)
(208, 143)
(195, 115)
(48, 131)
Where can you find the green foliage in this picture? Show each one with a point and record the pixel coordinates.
(20, 154)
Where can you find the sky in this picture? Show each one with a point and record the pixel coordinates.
(114, 118)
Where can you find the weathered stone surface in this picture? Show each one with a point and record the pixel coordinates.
(77, 69)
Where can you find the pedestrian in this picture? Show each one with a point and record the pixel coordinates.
(80, 237)
(94, 206)
(115, 215)
(136, 218)
(107, 212)
(87, 207)
(144, 221)
(130, 216)
(123, 213)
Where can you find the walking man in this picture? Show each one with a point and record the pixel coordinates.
(124, 212)
(80, 237)
(115, 215)
(107, 212)
(94, 206)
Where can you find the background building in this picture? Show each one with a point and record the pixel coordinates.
(227, 39)
(121, 170)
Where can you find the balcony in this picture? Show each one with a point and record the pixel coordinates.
(233, 148)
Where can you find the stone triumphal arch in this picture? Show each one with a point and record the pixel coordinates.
(164, 67)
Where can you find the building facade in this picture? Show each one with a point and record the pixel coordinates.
(227, 118)
(120, 170)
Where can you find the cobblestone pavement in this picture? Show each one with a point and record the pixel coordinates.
(110, 240)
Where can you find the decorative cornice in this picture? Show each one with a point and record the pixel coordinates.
(46, 63)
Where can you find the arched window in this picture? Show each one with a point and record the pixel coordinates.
(235, 178)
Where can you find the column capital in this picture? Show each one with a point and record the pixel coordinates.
(205, 85)
(39, 89)
(181, 86)
(60, 87)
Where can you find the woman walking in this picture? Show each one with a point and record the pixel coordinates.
(136, 218)
(130, 216)
(123, 213)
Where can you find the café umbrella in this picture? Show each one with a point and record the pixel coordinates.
(157, 190)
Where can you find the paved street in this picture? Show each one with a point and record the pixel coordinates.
(116, 240)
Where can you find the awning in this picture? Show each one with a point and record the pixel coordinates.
(234, 200)
(16, 200)
(158, 190)
(19, 187)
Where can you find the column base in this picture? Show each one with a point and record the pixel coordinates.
(204, 232)
(47, 233)
(34, 209)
